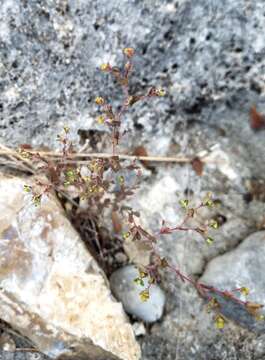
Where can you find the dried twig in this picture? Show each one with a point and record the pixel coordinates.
(75, 157)
(27, 350)
(17, 159)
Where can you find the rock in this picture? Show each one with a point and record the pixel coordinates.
(208, 57)
(242, 267)
(52, 290)
(7, 343)
(139, 329)
(124, 288)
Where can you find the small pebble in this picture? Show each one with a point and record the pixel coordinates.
(125, 290)
(139, 329)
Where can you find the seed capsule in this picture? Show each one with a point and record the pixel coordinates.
(129, 52)
(105, 67)
(244, 290)
(99, 100)
(144, 295)
(161, 92)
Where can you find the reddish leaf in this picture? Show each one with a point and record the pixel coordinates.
(257, 120)
(141, 151)
(25, 146)
(197, 166)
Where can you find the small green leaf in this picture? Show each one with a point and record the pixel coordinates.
(208, 203)
(214, 224)
(36, 199)
(209, 240)
(126, 235)
(27, 188)
(121, 180)
(184, 203)
(139, 281)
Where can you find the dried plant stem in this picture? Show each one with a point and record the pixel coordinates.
(75, 157)
(15, 157)
(27, 350)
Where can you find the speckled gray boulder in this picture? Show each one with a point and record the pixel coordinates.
(208, 55)
(124, 288)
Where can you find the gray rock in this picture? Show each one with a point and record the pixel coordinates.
(124, 288)
(243, 266)
(209, 56)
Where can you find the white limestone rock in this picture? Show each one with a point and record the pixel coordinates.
(123, 286)
(51, 289)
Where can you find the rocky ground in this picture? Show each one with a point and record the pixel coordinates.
(209, 56)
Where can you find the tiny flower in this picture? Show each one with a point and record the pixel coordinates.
(24, 154)
(260, 317)
(208, 203)
(66, 129)
(99, 100)
(212, 304)
(219, 322)
(144, 295)
(161, 92)
(244, 290)
(139, 281)
(129, 52)
(208, 200)
(100, 119)
(105, 67)
(121, 180)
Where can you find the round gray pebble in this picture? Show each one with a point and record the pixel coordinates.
(125, 290)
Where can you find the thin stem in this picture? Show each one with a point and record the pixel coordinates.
(73, 157)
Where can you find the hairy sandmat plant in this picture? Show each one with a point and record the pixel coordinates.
(102, 183)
